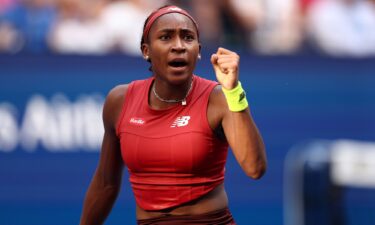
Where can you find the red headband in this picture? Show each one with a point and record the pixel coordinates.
(163, 11)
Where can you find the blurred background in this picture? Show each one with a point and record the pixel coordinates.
(308, 67)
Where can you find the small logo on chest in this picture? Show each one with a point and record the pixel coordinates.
(181, 121)
(136, 121)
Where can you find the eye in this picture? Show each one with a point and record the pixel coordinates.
(189, 37)
(164, 37)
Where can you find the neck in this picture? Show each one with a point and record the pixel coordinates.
(167, 90)
(165, 94)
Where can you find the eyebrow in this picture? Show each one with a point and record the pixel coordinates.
(170, 30)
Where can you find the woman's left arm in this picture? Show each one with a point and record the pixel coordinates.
(239, 127)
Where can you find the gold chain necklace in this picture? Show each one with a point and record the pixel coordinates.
(183, 100)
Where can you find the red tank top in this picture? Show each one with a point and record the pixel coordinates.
(172, 155)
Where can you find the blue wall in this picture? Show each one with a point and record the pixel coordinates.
(292, 99)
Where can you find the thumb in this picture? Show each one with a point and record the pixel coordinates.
(214, 59)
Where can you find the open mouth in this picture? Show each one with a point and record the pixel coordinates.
(178, 63)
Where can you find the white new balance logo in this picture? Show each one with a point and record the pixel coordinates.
(181, 121)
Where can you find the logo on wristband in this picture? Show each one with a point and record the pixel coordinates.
(242, 96)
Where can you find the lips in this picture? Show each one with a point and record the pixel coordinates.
(178, 63)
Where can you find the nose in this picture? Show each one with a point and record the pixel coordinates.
(178, 45)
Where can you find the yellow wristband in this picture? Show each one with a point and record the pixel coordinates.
(236, 98)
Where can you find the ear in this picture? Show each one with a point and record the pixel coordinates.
(146, 52)
(199, 53)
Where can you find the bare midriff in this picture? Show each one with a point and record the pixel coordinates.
(215, 200)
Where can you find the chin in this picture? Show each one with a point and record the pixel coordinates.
(179, 78)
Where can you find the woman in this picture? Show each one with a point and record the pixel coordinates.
(172, 132)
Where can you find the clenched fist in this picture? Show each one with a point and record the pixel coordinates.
(226, 66)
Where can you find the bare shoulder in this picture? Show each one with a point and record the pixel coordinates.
(217, 98)
(113, 105)
(217, 107)
(117, 93)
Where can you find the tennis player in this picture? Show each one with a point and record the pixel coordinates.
(172, 131)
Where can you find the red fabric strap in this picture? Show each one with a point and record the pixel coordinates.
(163, 11)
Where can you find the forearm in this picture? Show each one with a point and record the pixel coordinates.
(239, 128)
(98, 203)
(106, 183)
(247, 144)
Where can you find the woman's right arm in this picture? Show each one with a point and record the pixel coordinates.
(106, 183)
